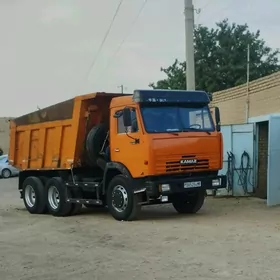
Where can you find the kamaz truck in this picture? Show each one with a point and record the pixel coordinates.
(119, 151)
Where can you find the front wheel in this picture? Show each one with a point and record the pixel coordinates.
(189, 203)
(121, 201)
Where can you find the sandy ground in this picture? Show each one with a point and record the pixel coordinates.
(227, 239)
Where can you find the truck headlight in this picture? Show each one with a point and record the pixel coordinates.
(165, 187)
(216, 182)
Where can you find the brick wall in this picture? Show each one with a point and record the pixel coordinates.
(264, 98)
(4, 134)
(261, 190)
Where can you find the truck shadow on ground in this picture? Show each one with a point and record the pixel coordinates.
(147, 213)
(156, 212)
(214, 209)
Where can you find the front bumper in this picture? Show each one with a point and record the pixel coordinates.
(184, 185)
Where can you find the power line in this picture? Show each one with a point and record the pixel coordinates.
(127, 34)
(211, 2)
(202, 9)
(105, 38)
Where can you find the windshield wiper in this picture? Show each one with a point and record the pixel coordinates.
(173, 131)
(195, 129)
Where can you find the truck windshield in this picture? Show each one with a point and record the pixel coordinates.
(176, 118)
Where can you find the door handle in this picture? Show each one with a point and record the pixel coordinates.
(117, 150)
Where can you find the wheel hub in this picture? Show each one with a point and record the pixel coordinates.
(119, 198)
(30, 196)
(53, 197)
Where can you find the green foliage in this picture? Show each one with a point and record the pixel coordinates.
(221, 59)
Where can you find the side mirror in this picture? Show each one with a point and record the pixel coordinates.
(126, 117)
(217, 119)
(118, 114)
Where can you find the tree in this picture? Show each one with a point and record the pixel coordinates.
(221, 59)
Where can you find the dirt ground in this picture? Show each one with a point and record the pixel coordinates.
(227, 239)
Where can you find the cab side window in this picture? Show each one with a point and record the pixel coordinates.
(134, 124)
(121, 128)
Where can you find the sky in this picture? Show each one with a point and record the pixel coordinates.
(47, 47)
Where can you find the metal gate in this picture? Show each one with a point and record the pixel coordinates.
(238, 159)
(273, 182)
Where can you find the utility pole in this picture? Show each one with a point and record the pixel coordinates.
(248, 84)
(122, 88)
(189, 29)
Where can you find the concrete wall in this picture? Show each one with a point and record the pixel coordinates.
(264, 98)
(4, 134)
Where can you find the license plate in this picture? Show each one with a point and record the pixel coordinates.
(188, 185)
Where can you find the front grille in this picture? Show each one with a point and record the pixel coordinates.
(176, 166)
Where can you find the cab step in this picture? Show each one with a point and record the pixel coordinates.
(89, 186)
(85, 201)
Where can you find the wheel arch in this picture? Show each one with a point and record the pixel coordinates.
(41, 173)
(113, 169)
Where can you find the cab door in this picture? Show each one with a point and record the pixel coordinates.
(127, 144)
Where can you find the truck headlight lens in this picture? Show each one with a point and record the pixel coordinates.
(165, 187)
(216, 182)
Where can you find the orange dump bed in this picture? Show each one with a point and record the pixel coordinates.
(54, 137)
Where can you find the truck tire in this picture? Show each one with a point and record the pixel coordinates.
(94, 142)
(189, 204)
(121, 201)
(76, 207)
(56, 198)
(43, 179)
(34, 195)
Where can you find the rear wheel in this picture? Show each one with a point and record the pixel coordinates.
(76, 207)
(121, 201)
(56, 194)
(34, 195)
(43, 179)
(189, 204)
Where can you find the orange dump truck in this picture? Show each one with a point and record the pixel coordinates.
(119, 151)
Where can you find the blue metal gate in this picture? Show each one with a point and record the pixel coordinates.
(238, 158)
(273, 168)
